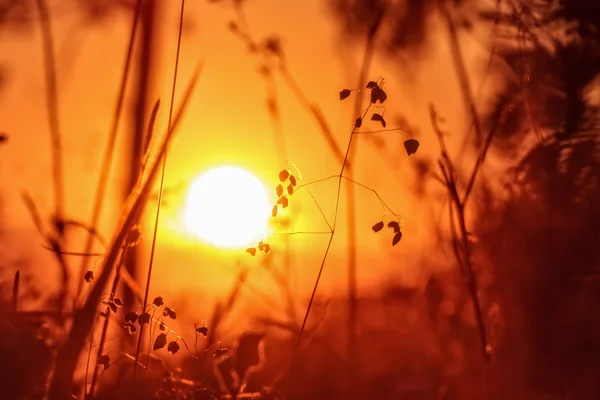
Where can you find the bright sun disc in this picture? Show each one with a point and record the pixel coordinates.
(227, 207)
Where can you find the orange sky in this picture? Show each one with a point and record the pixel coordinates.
(227, 123)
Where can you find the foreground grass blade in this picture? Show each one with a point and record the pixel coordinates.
(83, 320)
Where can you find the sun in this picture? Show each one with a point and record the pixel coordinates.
(228, 207)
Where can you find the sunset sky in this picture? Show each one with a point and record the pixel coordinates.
(227, 124)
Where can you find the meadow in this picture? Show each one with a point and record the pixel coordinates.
(324, 199)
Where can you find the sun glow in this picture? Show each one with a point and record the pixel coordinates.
(227, 207)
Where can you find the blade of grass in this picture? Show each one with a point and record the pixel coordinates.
(110, 148)
(160, 190)
(66, 360)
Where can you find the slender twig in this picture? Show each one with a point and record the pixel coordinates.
(460, 240)
(160, 190)
(461, 70)
(15, 293)
(110, 147)
(107, 315)
(53, 107)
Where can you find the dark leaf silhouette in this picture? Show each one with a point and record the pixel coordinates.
(104, 361)
(89, 276)
(293, 180)
(378, 117)
(394, 225)
(158, 301)
(160, 342)
(103, 314)
(283, 175)
(411, 146)
(3, 137)
(173, 347)
(162, 326)
(396, 238)
(344, 94)
(251, 251)
(279, 190)
(130, 327)
(144, 318)
(203, 330)
(274, 210)
(377, 227)
(267, 248)
(118, 302)
(220, 353)
(358, 122)
(169, 312)
(261, 245)
(130, 316)
(290, 189)
(371, 84)
(111, 305)
(378, 95)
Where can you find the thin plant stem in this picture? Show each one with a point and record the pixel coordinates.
(110, 148)
(15, 292)
(95, 374)
(160, 190)
(461, 71)
(53, 108)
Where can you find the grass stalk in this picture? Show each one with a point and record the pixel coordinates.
(160, 190)
(83, 319)
(110, 147)
(52, 106)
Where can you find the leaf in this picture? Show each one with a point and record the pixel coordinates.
(158, 301)
(377, 227)
(162, 326)
(284, 201)
(118, 302)
(267, 248)
(160, 342)
(274, 211)
(283, 175)
(344, 94)
(104, 361)
(169, 312)
(358, 123)
(103, 314)
(203, 330)
(290, 189)
(279, 190)
(371, 85)
(130, 316)
(378, 117)
(89, 276)
(396, 238)
(173, 347)
(113, 306)
(411, 146)
(395, 225)
(378, 95)
(144, 318)
(293, 180)
(251, 251)
(130, 327)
